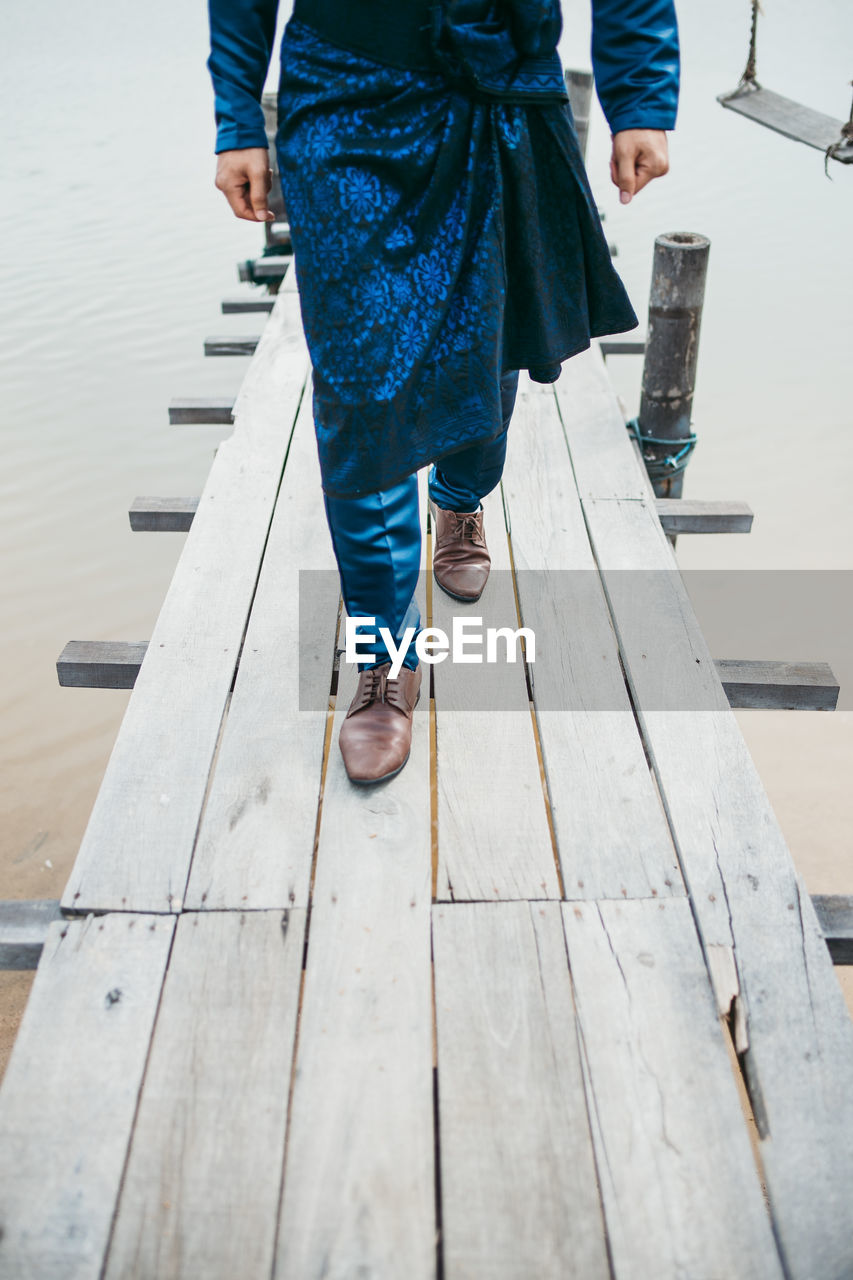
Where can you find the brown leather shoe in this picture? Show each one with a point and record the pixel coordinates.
(460, 557)
(376, 735)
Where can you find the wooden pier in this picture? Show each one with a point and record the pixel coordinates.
(551, 1003)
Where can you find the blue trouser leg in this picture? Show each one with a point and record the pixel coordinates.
(458, 481)
(377, 544)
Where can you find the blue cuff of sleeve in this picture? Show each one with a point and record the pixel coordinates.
(233, 138)
(642, 120)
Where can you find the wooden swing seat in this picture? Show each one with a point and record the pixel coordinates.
(789, 118)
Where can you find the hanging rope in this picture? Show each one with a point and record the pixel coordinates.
(671, 463)
(845, 139)
(749, 73)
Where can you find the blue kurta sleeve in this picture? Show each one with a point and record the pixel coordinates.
(635, 60)
(242, 33)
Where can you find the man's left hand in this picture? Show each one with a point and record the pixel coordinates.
(638, 156)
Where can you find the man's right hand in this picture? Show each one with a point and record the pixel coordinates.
(244, 177)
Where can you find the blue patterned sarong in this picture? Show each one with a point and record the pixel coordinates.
(440, 240)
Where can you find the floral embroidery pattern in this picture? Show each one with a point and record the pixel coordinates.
(439, 241)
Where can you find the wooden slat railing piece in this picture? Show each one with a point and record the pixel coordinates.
(493, 836)
(70, 1090)
(359, 1176)
(231, 345)
(590, 413)
(681, 1191)
(835, 916)
(687, 515)
(23, 929)
(519, 1193)
(622, 347)
(201, 1189)
(790, 118)
(256, 840)
(100, 664)
(785, 686)
(249, 302)
(162, 515)
(611, 831)
(757, 923)
(136, 850)
(197, 409)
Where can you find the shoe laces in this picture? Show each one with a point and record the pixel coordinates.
(468, 524)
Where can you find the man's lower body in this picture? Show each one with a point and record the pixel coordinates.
(377, 543)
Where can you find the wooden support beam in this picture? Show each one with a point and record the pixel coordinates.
(778, 686)
(23, 929)
(24, 925)
(835, 916)
(219, 345)
(100, 664)
(162, 515)
(775, 686)
(624, 347)
(246, 303)
(264, 270)
(686, 515)
(209, 409)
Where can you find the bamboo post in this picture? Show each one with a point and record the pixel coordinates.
(669, 372)
(579, 89)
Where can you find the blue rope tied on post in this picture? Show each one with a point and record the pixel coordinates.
(672, 463)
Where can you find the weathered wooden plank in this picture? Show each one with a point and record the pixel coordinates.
(201, 1189)
(834, 913)
(782, 686)
(162, 515)
(493, 836)
(754, 915)
(790, 118)
(137, 846)
(359, 1176)
(23, 929)
(687, 515)
(591, 415)
(231, 345)
(681, 1191)
(249, 302)
(69, 1094)
(612, 835)
(194, 409)
(100, 664)
(256, 841)
(519, 1192)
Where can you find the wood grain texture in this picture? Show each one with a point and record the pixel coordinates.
(358, 1187)
(612, 835)
(137, 846)
(780, 686)
(590, 412)
(69, 1093)
(681, 1191)
(519, 1190)
(100, 664)
(746, 894)
(256, 840)
(493, 837)
(201, 1189)
(231, 344)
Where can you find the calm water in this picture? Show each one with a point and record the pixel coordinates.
(115, 251)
